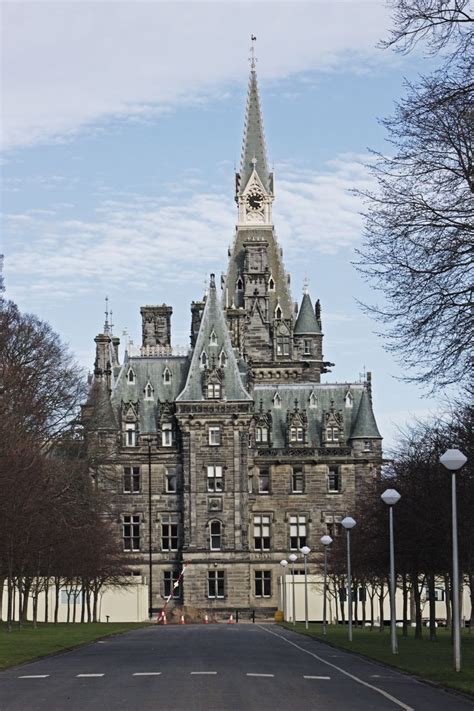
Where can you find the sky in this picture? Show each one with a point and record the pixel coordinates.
(122, 126)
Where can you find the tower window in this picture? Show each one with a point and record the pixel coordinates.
(307, 347)
(215, 535)
(297, 532)
(297, 481)
(215, 482)
(283, 345)
(334, 480)
(131, 532)
(215, 583)
(263, 583)
(261, 533)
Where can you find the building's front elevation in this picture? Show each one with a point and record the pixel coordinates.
(250, 456)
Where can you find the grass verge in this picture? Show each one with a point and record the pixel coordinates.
(429, 660)
(28, 643)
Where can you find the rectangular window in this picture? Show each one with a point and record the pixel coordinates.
(261, 434)
(297, 532)
(130, 435)
(367, 445)
(215, 583)
(334, 479)
(215, 535)
(215, 482)
(169, 535)
(171, 481)
(261, 533)
(296, 434)
(263, 482)
(131, 480)
(263, 583)
(283, 346)
(307, 347)
(170, 578)
(166, 434)
(213, 391)
(131, 532)
(214, 436)
(297, 481)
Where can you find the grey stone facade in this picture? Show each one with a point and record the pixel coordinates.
(249, 455)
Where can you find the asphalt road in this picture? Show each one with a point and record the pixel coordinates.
(216, 667)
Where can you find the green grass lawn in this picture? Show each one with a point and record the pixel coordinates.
(27, 643)
(429, 660)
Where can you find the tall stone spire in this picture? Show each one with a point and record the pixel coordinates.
(254, 152)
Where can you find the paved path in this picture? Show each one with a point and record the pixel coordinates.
(215, 667)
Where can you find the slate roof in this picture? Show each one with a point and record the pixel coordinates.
(149, 370)
(306, 321)
(102, 416)
(254, 140)
(213, 322)
(326, 394)
(365, 426)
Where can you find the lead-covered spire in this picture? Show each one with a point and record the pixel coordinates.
(254, 153)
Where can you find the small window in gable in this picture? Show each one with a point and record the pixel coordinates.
(313, 400)
(240, 284)
(276, 400)
(130, 376)
(213, 338)
(278, 312)
(271, 284)
(223, 359)
(167, 375)
(148, 391)
(349, 399)
(203, 359)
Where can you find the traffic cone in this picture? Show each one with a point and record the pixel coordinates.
(231, 620)
(206, 619)
(182, 621)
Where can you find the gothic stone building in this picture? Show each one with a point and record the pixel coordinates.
(251, 457)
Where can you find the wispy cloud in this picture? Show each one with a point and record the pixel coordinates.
(179, 236)
(70, 65)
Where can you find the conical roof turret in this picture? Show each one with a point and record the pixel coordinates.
(306, 321)
(365, 426)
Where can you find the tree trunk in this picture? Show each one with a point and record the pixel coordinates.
(2, 587)
(10, 594)
(46, 599)
(471, 589)
(372, 620)
(95, 599)
(57, 588)
(381, 613)
(68, 617)
(88, 600)
(417, 601)
(432, 605)
(83, 605)
(35, 606)
(74, 608)
(405, 604)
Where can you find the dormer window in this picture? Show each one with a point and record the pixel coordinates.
(223, 359)
(203, 359)
(276, 400)
(167, 375)
(349, 399)
(278, 312)
(166, 434)
(130, 434)
(240, 284)
(332, 434)
(130, 376)
(313, 400)
(213, 391)
(213, 338)
(271, 284)
(296, 434)
(148, 391)
(261, 435)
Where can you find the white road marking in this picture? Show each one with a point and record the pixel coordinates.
(88, 675)
(204, 672)
(249, 674)
(34, 676)
(316, 677)
(147, 674)
(343, 671)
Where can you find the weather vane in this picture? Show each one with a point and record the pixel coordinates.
(305, 284)
(253, 59)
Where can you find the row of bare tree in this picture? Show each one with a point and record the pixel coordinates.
(423, 537)
(54, 531)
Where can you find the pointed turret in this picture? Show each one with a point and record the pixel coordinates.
(365, 426)
(306, 323)
(254, 153)
(214, 372)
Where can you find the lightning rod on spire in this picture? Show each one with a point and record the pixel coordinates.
(106, 324)
(253, 59)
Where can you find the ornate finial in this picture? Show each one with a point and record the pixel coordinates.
(254, 161)
(212, 282)
(111, 321)
(362, 375)
(306, 285)
(253, 59)
(106, 324)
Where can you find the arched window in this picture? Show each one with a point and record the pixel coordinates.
(203, 359)
(167, 375)
(130, 375)
(276, 400)
(278, 312)
(148, 391)
(240, 284)
(215, 535)
(223, 359)
(313, 400)
(349, 399)
(271, 284)
(213, 338)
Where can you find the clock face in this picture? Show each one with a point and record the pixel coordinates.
(254, 201)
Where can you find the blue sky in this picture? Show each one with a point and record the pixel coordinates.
(122, 123)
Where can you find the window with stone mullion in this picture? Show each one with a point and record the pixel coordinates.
(261, 533)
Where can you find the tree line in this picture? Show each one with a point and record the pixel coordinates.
(54, 528)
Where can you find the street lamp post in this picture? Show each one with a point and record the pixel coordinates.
(150, 567)
(453, 460)
(305, 551)
(391, 497)
(293, 558)
(284, 563)
(326, 541)
(349, 523)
